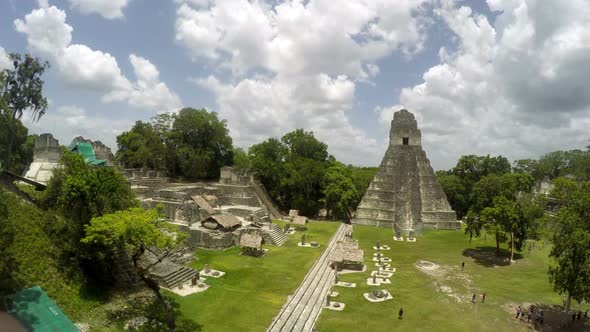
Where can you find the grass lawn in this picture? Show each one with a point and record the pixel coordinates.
(254, 288)
(441, 301)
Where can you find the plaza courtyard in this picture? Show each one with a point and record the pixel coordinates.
(438, 299)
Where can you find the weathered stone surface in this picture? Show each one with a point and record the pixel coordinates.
(46, 157)
(405, 193)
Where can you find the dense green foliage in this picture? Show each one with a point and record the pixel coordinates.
(299, 173)
(21, 89)
(571, 240)
(485, 191)
(340, 193)
(293, 168)
(16, 146)
(459, 182)
(31, 257)
(192, 144)
(78, 192)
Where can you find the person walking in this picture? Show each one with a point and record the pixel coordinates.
(483, 297)
(462, 265)
(473, 298)
(401, 313)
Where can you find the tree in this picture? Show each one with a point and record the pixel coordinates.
(293, 169)
(507, 217)
(473, 225)
(456, 193)
(267, 160)
(306, 161)
(23, 90)
(139, 231)
(571, 241)
(141, 147)
(203, 144)
(241, 159)
(340, 194)
(14, 136)
(496, 201)
(571, 251)
(79, 192)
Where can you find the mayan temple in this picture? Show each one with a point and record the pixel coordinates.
(405, 194)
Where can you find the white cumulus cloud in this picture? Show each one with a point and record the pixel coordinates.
(296, 64)
(517, 87)
(79, 66)
(109, 9)
(5, 62)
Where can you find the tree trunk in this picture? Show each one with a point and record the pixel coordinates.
(568, 302)
(470, 237)
(11, 134)
(511, 247)
(497, 244)
(153, 285)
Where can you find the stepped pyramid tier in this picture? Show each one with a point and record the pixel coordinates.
(405, 194)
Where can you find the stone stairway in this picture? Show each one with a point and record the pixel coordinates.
(181, 275)
(302, 308)
(277, 234)
(274, 235)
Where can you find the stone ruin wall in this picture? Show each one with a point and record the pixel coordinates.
(47, 148)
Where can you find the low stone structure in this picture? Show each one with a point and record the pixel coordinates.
(221, 222)
(347, 255)
(405, 194)
(251, 244)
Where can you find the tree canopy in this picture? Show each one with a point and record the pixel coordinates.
(571, 240)
(78, 192)
(193, 144)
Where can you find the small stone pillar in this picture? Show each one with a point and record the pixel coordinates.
(374, 278)
(207, 269)
(194, 280)
(303, 238)
(336, 278)
(378, 244)
(328, 298)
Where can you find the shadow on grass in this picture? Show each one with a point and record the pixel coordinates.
(147, 306)
(555, 319)
(486, 256)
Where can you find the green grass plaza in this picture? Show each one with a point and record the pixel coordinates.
(255, 288)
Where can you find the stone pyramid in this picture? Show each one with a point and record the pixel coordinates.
(405, 194)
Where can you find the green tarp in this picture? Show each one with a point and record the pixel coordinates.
(86, 150)
(37, 312)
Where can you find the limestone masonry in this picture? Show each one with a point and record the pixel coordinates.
(405, 194)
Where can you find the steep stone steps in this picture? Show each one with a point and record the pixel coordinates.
(181, 275)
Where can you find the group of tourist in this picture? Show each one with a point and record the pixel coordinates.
(522, 313)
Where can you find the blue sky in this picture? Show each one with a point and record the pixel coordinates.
(473, 72)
